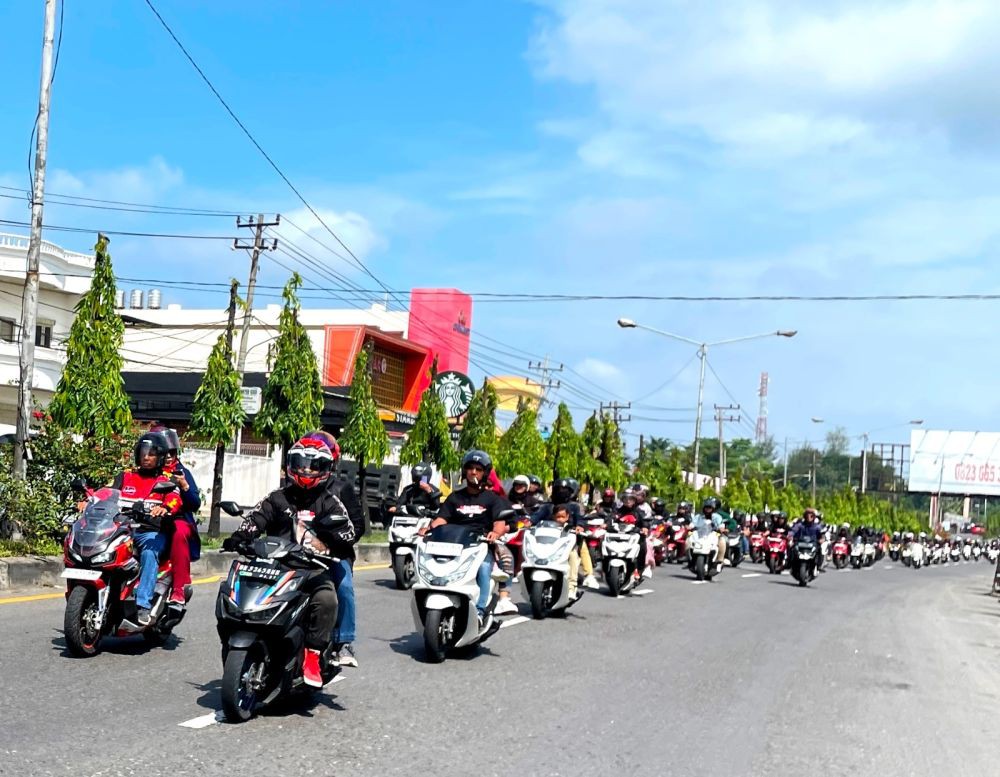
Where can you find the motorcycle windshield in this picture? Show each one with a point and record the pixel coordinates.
(455, 533)
(99, 521)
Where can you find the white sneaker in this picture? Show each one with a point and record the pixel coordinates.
(590, 582)
(647, 573)
(505, 606)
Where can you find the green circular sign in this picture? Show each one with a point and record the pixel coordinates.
(455, 391)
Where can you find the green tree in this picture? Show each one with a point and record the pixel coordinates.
(90, 397)
(613, 454)
(364, 438)
(218, 410)
(479, 427)
(521, 450)
(562, 449)
(293, 396)
(430, 437)
(735, 494)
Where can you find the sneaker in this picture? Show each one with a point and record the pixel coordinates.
(144, 617)
(590, 582)
(647, 573)
(480, 618)
(575, 594)
(505, 606)
(310, 668)
(177, 597)
(345, 655)
(515, 579)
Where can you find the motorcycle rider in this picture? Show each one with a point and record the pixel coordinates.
(306, 502)
(535, 493)
(149, 457)
(420, 492)
(564, 494)
(478, 508)
(710, 520)
(806, 530)
(659, 509)
(630, 508)
(683, 514)
(642, 505)
(185, 545)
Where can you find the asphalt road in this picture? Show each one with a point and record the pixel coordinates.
(882, 671)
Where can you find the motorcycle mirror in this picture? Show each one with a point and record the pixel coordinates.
(163, 488)
(78, 484)
(230, 508)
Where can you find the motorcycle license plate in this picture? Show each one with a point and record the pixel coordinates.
(81, 574)
(260, 572)
(443, 548)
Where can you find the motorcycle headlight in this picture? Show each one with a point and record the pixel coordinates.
(102, 558)
(429, 576)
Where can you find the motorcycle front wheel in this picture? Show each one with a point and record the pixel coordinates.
(243, 678)
(402, 569)
(615, 578)
(82, 637)
(539, 608)
(803, 575)
(435, 636)
(700, 567)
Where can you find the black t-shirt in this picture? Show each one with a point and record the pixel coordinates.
(478, 511)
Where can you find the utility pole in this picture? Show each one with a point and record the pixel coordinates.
(812, 478)
(616, 412)
(258, 245)
(545, 370)
(214, 520)
(864, 464)
(29, 301)
(784, 480)
(721, 417)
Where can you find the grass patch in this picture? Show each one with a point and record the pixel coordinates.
(208, 543)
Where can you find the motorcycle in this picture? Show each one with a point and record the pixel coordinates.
(593, 535)
(916, 554)
(777, 551)
(657, 535)
(936, 555)
(992, 554)
(857, 553)
(841, 553)
(906, 554)
(870, 556)
(734, 548)
(702, 551)
(757, 542)
(677, 542)
(446, 591)
(514, 540)
(406, 522)
(545, 572)
(955, 554)
(261, 613)
(894, 549)
(102, 574)
(622, 553)
(977, 553)
(804, 567)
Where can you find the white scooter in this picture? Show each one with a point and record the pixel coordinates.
(545, 570)
(906, 554)
(916, 554)
(977, 553)
(857, 553)
(406, 522)
(967, 552)
(869, 558)
(446, 591)
(620, 551)
(703, 548)
(955, 554)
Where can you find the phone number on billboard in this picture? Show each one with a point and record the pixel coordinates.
(976, 473)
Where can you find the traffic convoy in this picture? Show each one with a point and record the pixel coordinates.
(553, 554)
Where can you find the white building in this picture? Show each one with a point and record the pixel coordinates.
(180, 339)
(64, 276)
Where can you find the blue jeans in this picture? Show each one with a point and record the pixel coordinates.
(343, 579)
(151, 545)
(483, 577)
(745, 544)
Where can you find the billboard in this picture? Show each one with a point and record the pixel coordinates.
(441, 319)
(955, 462)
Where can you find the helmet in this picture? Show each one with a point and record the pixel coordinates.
(564, 490)
(328, 440)
(608, 493)
(520, 480)
(658, 505)
(739, 515)
(482, 458)
(309, 463)
(630, 494)
(151, 442)
(423, 469)
(534, 481)
(684, 506)
(710, 502)
(173, 441)
(923, 535)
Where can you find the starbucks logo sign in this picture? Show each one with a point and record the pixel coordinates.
(455, 391)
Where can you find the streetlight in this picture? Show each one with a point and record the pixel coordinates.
(628, 323)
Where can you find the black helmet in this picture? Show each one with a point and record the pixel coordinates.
(420, 470)
(658, 505)
(482, 458)
(534, 481)
(684, 506)
(173, 441)
(564, 490)
(710, 502)
(151, 442)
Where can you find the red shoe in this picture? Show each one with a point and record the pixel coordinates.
(177, 597)
(310, 669)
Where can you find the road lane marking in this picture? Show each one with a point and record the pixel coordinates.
(204, 721)
(199, 581)
(698, 582)
(514, 621)
(642, 591)
(753, 574)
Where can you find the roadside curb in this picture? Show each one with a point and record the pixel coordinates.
(18, 572)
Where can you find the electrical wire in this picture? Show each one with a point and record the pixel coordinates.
(11, 222)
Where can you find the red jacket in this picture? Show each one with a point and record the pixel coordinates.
(135, 486)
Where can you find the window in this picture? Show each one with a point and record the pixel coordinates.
(7, 329)
(43, 334)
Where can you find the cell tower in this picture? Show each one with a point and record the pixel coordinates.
(761, 434)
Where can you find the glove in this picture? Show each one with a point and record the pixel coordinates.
(234, 542)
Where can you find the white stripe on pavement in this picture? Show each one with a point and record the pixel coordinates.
(514, 621)
(203, 721)
(753, 574)
(642, 591)
(698, 582)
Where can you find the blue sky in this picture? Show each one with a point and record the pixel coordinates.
(636, 146)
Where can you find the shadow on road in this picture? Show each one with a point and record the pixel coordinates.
(383, 583)
(412, 645)
(119, 646)
(210, 698)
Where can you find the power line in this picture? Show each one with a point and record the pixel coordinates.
(51, 227)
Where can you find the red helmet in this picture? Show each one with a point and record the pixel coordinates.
(608, 493)
(327, 439)
(310, 462)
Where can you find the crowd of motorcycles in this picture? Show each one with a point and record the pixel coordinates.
(260, 606)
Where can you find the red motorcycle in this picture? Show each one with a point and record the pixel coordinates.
(593, 535)
(658, 539)
(777, 551)
(677, 542)
(514, 541)
(757, 544)
(841, 553)
(102, 573)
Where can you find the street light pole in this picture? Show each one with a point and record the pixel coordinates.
(702, 353)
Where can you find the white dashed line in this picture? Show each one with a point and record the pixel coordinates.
(698, 582)
(514, 621)
(753, 574)
(642, 591)
(204, 721)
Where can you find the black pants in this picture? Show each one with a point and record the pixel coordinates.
(321, 612)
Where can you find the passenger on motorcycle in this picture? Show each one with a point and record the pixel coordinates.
(630, 512)
(564, 494)
(659, 509)
(478, 508)
(182, 536)
(709, 520)
(563, 515)
(608, 503)
(149, 457)
(778, 521)
(535, 493)
(642, 505)
(305, 505)
(806, 530)
(420, 492)
(740, 517)
(683, 514)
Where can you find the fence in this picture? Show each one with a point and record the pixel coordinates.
(246, 478)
